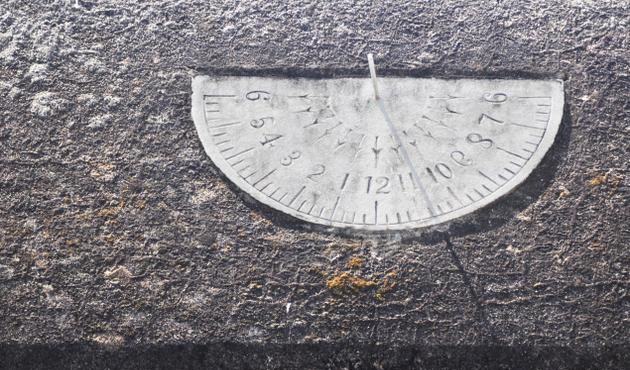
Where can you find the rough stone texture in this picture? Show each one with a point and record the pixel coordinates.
(121, 244)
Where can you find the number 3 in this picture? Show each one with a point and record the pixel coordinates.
(288, 160)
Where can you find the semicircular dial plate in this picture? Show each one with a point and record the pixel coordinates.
(327, 152)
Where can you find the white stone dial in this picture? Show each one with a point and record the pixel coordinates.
(327, 152)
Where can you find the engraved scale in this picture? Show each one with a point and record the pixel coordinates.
(348, 153)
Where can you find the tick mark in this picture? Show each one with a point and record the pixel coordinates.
(527, 126)
(512, 153)
(244, 168)
(301, 205)
(250, 175)
(315, 122)
(448, 109)
(307, 110)
(237, 162)
(239, 153)
(345, 180)
(296, 196)
(332, 216)
(218, 96)
(447, 97)
(328, 131)
(227, 124)
(487, 177)
(454, 195)
(264, 177)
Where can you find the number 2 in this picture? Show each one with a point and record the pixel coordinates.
(318, 170)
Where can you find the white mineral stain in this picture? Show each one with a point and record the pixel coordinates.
(47, 104)
(37, 72)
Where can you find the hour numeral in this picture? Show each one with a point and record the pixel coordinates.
(475, 138)
(441, 169)
(495, 98)
(288, 160)
(258, 123)
(257, 95)
(269, 139)
(318, 170)
(460, 158)
(485, 117)
(381, 185)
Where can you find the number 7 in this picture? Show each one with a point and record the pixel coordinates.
(483, 115)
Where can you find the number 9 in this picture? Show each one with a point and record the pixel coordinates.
(495, 98)
(258, 123)
(258, 94)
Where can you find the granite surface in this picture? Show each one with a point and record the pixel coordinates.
(120, 243)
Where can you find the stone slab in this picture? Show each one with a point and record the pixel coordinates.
(120, 240)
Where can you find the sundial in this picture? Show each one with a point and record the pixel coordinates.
(376, 153)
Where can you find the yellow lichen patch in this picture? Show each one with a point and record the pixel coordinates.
(615, 180)
(111, 212)
(563, 192)
(386, 285)
(103, 171)
(355, 262)
(612, 180)
(117, 273)
(598, 180)
(346, 281)
(140, 204)
(335, 247)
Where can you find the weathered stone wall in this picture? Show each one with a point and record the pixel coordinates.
(116, 230)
